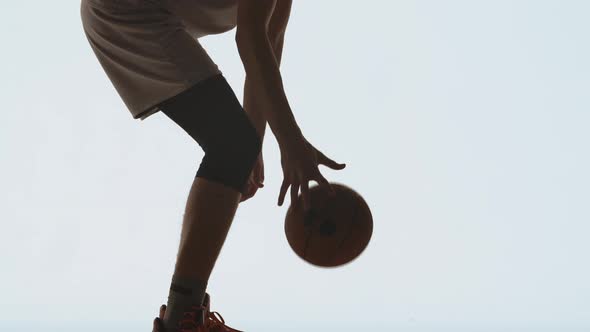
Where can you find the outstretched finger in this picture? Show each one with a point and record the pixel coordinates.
(322, 159)
(283, 191)
(162, 311)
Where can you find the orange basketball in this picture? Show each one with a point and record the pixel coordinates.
(334, 231)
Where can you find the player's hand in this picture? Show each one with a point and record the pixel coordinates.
(158, 324)
(256, 179)
(300, 165)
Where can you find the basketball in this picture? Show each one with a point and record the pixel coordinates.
(334, 231)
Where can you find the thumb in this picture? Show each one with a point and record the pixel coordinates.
(259, 178)
(329, 162)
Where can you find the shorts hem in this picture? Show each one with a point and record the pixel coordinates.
(151, 110)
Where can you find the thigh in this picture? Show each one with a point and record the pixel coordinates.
(145, 51)
(210, 113)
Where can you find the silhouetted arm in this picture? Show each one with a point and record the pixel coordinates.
(262, 68)
(277, 26)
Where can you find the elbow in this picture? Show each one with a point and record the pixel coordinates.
(246, 36)
(253, 19)
(251, 40)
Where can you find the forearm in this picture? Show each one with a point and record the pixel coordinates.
(253, 104)
(265, 86)
(253, 107)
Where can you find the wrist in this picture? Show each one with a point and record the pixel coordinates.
(290, 139)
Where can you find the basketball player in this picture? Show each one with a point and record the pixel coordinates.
(149, 50)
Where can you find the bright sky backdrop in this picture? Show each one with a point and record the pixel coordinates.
(464, 124)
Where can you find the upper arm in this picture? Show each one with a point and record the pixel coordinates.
(254, 17)
(278, 21)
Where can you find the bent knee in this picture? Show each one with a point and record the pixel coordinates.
(231, 160)
(241, 149)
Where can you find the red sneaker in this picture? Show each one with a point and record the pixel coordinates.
(193, 321)
(213, 321)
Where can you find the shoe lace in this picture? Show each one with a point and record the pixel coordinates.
(189, 322)
(217, 321)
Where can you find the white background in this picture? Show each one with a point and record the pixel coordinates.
(464, 124)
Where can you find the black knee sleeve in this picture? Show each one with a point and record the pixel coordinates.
(211, 114)
(231, 161)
